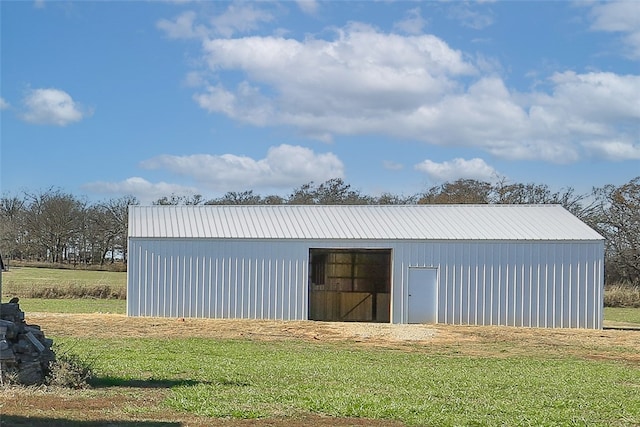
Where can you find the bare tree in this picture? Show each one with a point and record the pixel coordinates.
(331, 192)
(618, 220)
(109, 220)
(12, 239)
(464, 191)
(195, 199)
(53, 222)
(237, 198)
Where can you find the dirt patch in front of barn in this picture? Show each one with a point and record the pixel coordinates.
(489, 341)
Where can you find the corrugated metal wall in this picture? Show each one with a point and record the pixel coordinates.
(520, 283)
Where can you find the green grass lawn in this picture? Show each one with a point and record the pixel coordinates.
(252, 379)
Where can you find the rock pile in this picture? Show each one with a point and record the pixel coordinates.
(25, 353)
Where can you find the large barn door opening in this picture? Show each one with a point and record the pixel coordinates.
(350, 285)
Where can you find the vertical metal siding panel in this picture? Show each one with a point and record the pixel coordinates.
(465, 283)
(133, 283)
(397, 285)
(448, 272)
(223, 279)
(514, 302)
(470, 294)
(505, 270)
(494, 274)
(600, 284)
(589, 299)
(438, 258)
(274, 289)
(228, 287)
(143, 283)
(205, 287)
(288, 309)
(263, 300)
(209, 311)
(194, 281)
(163, 296)
(234, 284)
(304, 277)
(574, 276)
(566, 287)
(250, 288)
(581, 285)
(155, 282)
(534, 291)
(242, 284)
(460, 285)
(519, 285)
(202, 295)
(487, 282)
(558, 288)
(182, 280)
(503, 281)
(283, 288)
(217, 289)
(269, 287)
(529, 305)
(547, 285)
(176, 284)
(476, 285)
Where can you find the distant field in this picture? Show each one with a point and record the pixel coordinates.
(612, 316)
(76, 305)
(27, 282)
(622, 315)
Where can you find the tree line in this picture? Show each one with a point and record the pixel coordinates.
(58, 227)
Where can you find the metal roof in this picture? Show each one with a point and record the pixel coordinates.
(377, 222)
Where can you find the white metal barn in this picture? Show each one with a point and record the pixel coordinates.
(520, 265)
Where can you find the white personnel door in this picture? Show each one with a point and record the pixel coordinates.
(423, 295)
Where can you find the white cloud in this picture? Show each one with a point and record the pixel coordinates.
(620, 17)
(469, 17)
(236, 18)
(283, 167)
(4, 104)
(182, 27)
(615, 150)
(458, 169)
(142, 189)
(51, 107)
(362, 81)
(413, 23)
(240, 18)
(309, 7)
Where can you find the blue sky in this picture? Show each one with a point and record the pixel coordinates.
(150, 98)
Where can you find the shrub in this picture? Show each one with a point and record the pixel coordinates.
(69, 370)
(77, 291)
(622, 295)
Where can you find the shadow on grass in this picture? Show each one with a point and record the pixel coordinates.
(101, 382)
(19, 421)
